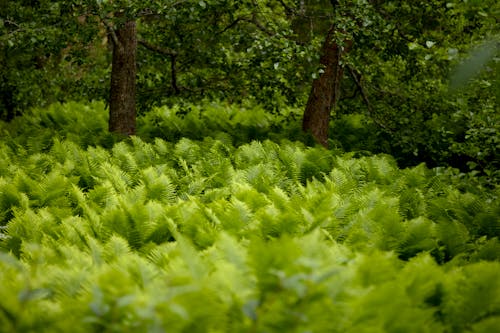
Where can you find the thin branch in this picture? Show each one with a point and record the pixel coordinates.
(173, 71)
(356, 76)
(173, 60)
(156, 48)
(249, 19)
(259, 25)
(149, 12)
(288, 8)
(10, 22)
(14, 24)
(231, 25)
(112, 32)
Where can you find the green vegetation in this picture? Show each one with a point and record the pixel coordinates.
(226, 233)
(249, 166)
(422, 76)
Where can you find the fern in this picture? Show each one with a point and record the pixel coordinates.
(261, 177)
(290, 161)
(194, 223)
(235, 216)
(10, 198)
(316, 163)
(188, 151)
(412, 203)
(199, 235)
(159, 186)
(159, 233)
(52, 190)
(125, 160)
(250, 155)
(133, 220)
(215, 165)
(118, 178)
(420, 236)
(144, 153)
(103, 195)
(455, 238)
(476, 296)
(382, 169)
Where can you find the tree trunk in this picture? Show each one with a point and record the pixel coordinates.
(325, 90)
(122, 111)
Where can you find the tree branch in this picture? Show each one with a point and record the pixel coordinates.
(156, 48)
(250, 19)
(173, 71)
(357, 79)
(173, 60)
(232, 24)
(112, 33)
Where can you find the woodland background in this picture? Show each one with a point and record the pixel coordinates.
(249, 166)
(397, 76)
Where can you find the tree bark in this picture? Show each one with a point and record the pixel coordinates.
(122, 112)
(325, 89)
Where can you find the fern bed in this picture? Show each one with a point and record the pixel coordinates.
(217, 222)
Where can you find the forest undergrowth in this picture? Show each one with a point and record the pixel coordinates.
(223, 219)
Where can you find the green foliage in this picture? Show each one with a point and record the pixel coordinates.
(408, 57)
(214, 234)
(412, 60)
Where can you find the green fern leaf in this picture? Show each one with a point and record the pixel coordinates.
(158, 185)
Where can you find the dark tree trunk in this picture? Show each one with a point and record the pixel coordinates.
(122, 111)
(325, 90)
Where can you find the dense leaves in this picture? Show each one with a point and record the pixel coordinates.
(217, 234)
(221, 215)
(405, 57)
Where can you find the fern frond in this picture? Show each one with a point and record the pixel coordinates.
(249, 195)
(412, 203)
(291, 160)
(455, 238)
(120, 179)
(115, 248)
(32, 226)
(419, 236)
(6, 159)
(249, 155)
(158, 185)
(123, 157)
(162, 148)
(10, 199)
(262, 177)
(160, 233)
(103, 195)
(195, 225)
(419, 176)
(188, 151)
(144, 153)
(215, 165)
(52, 190)
(382, 169)
(474, 295)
